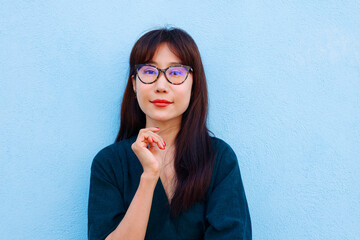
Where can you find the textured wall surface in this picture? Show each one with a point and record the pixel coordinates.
(284, 85)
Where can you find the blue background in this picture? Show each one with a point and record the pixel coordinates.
(284, 84)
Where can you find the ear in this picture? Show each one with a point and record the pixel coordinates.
(133, 83)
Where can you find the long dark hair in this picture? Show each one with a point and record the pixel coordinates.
(194, 155)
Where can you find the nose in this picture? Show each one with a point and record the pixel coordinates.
(161, 85)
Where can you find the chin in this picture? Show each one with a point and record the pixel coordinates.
(162, 118)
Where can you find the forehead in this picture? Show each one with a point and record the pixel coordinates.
(164, 54)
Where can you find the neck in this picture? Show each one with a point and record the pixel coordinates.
(168, 129)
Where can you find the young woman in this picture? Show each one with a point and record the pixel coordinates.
(165, 177)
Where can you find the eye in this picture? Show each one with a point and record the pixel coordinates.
(148, 70)
(177, 71)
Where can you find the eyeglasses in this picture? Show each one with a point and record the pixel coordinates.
(176, 74)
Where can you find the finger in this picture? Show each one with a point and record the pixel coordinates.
(151, 146)
(143, 139)
(160, 143)
(144, 135)
(156, 139)
(150, 137)
(147, 138)
(147, 135)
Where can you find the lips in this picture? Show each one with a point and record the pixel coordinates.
(161, 102)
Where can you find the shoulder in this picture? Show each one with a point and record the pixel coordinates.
(113, 154)
(222, 150)
(219, 143)
(225, 161)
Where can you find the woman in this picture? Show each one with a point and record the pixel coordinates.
(165, 177)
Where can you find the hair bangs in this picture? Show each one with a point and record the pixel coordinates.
(146, 47)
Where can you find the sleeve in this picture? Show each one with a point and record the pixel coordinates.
(227, 212)
(105, 206)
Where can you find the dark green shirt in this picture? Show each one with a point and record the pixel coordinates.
(115, 177)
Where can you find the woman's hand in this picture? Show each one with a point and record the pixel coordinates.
(144, 148)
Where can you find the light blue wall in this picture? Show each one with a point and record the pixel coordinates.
(284, 85)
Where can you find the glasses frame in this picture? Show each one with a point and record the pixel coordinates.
(163, 71)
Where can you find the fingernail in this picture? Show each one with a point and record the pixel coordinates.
(164, 143)
(157, 127)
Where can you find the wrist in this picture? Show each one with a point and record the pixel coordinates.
(149, 177)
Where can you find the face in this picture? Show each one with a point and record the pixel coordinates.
(178, 96)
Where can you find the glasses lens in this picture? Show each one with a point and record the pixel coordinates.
(177, 74)
(147, 73)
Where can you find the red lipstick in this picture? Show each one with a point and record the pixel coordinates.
(161, 102)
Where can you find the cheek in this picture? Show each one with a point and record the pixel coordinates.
(141, 97)
(185, 96)
(189, 90)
